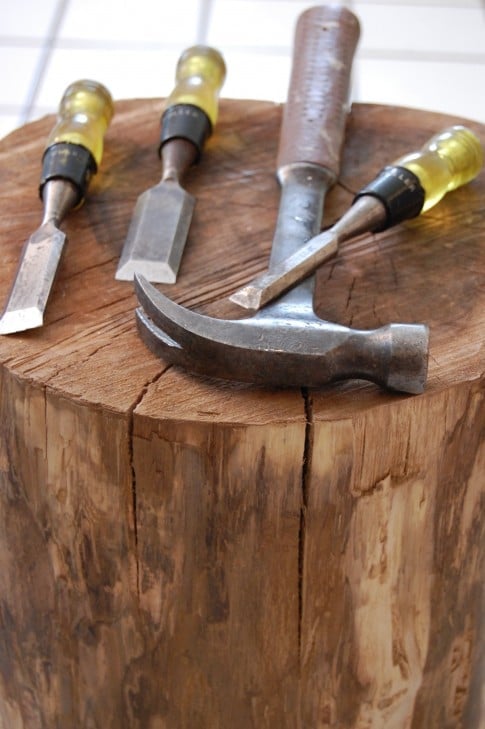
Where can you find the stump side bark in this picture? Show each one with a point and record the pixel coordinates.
(181, 552)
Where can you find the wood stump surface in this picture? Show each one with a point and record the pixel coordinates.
(180, 552)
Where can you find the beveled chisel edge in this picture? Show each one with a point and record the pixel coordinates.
(154, 271)
(12, 322)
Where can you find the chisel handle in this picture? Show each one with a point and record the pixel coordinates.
(315, 113)
(74, 148)
(415, 182)
(448, 160)
(191, 109)
(85, 112)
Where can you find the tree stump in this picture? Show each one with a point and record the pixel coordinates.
(178, 552)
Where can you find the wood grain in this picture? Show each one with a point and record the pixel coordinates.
(181, 552)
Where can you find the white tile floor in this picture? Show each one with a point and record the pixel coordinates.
(423, 53)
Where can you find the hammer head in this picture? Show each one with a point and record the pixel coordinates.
(278, 348)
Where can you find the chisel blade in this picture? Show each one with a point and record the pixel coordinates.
(157, 234)
(33, 282)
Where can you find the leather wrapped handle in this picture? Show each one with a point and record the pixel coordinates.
(315, 113)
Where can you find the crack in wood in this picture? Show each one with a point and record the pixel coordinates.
(131, 457)
(305, 478)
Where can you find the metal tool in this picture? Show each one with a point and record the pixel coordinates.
(161, 220)
(409, 186)
(72, 155)
(286, 344)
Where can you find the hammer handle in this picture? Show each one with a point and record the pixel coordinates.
(315, 113)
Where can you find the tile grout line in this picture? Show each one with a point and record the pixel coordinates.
(42, 64)
(205, 11)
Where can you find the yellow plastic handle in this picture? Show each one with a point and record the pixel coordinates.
(200, 74)
(448, 160)
(85, 112)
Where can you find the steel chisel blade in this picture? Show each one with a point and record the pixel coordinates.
(33, 282)
(157, 234)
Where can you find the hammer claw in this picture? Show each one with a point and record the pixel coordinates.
(184, 325)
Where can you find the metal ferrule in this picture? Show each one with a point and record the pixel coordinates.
(71, 162)
(185, 121)
(400, 191)
(59, 197)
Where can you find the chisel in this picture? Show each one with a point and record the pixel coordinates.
(409, 186)
(160, 224)
(72, 155)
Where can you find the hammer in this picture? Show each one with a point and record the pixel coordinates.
(286, 344)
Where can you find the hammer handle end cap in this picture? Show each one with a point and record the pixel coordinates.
(408, 365)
